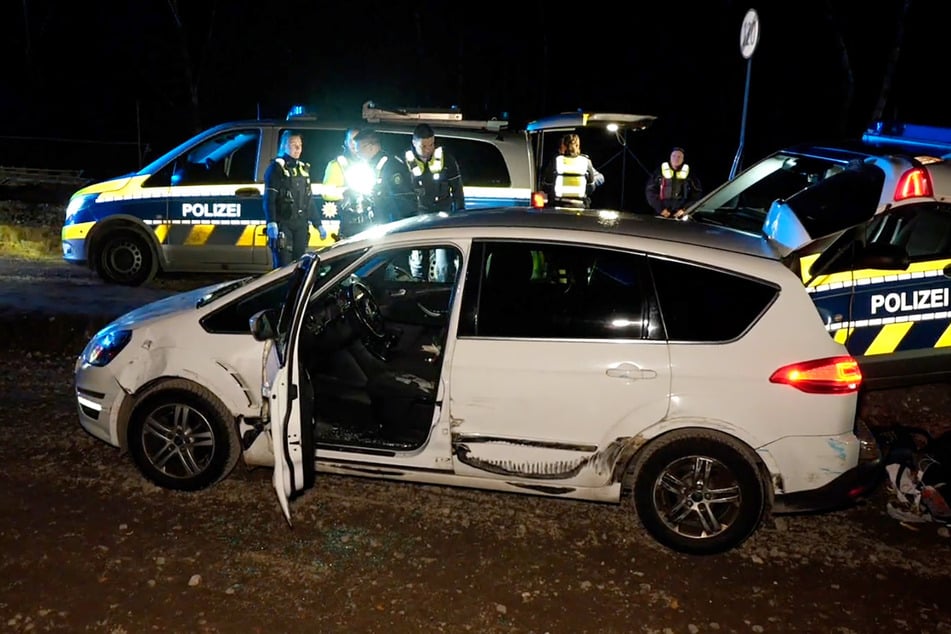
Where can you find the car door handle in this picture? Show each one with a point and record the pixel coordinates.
(400, 292)
(630, 371)
(246, 192)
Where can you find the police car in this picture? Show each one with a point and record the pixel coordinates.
(891, 194)
(198, 208)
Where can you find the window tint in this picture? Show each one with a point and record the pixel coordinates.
(230, 157)
(539, 290)
(923, 230)
(702, 304)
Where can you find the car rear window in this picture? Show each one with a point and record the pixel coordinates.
(701, 304)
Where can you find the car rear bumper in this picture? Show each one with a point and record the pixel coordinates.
(847, 487)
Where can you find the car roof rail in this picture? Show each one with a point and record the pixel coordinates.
(440, 117)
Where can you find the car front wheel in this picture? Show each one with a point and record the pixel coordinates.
(126, 258)
(182, 437)
(698, 491)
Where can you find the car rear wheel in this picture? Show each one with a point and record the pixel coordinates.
(126, 258)
(698, 491)
(182, 437)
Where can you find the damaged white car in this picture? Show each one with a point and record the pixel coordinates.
(679, 368)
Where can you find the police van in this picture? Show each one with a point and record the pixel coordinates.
(198, 208)
(867, 225)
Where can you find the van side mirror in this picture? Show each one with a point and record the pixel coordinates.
(263, 324)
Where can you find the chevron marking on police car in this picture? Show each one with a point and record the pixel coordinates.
(842, 334)
(944, 340)
(888, 338)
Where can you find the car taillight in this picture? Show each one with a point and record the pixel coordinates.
(835, 375)
(539, 200)
(913, 183)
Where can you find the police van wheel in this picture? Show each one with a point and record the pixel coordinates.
(126, 258)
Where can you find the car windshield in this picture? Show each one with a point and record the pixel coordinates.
(222, 290)
(743, 202)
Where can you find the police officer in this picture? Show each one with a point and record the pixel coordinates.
(335, 186)
(571, 178)
(672, 187)
(437, 181)
(288, 202)
(388, 191)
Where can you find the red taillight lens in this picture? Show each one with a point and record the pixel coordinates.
(913, 184)
(539, 200)
(835, 375)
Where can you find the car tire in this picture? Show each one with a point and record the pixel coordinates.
(182, 437)
(125, 257)
(674, 505)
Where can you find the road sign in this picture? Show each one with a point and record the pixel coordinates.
(749, 34)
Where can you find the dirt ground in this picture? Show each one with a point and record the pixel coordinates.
(87, 545)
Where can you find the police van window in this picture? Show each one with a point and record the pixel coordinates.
(320, 147)
(705, 305)
(923, 230)
(539, 290)
(229, 157)
(481, 163)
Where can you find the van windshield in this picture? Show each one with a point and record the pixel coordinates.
(743, 202)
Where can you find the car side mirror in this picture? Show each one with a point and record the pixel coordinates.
(263, 324)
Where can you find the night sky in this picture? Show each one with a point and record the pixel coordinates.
(88, 85)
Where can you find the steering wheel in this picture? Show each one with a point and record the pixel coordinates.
(365, 310)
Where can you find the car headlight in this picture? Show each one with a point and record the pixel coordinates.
(77, 202)
(104, 347)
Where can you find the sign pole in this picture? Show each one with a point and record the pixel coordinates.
(749, 38)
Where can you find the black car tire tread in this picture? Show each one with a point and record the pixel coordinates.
(227, 441)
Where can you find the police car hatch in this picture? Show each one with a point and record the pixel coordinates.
(843, 200)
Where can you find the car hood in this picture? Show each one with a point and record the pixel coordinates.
(180, 302)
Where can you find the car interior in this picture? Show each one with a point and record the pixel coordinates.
(372, 348)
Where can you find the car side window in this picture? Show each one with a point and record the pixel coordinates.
(923, 230)
(701, 304)
(541, 290)
(229, 157)
(480, 162)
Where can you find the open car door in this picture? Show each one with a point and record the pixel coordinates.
(286, 389)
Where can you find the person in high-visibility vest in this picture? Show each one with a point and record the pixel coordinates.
(288, 204)
(437, 181)
(672, 187)
(570, 177)
(335, 178)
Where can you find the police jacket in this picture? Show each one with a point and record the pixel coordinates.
(393, 197)
(287, 193)
(672, 189)
(335, 177)
(437, 182)
(570, 180)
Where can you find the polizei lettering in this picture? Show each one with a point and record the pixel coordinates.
(923, 299)
(214, 210)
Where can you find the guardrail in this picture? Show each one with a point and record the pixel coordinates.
(24, 176)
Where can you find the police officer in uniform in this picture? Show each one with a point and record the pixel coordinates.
(672, 187)
(571, 178)
(335, 185)
(387, 191)
(437, 181)
(288, 202)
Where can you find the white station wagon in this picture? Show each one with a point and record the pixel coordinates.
(594, 355)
